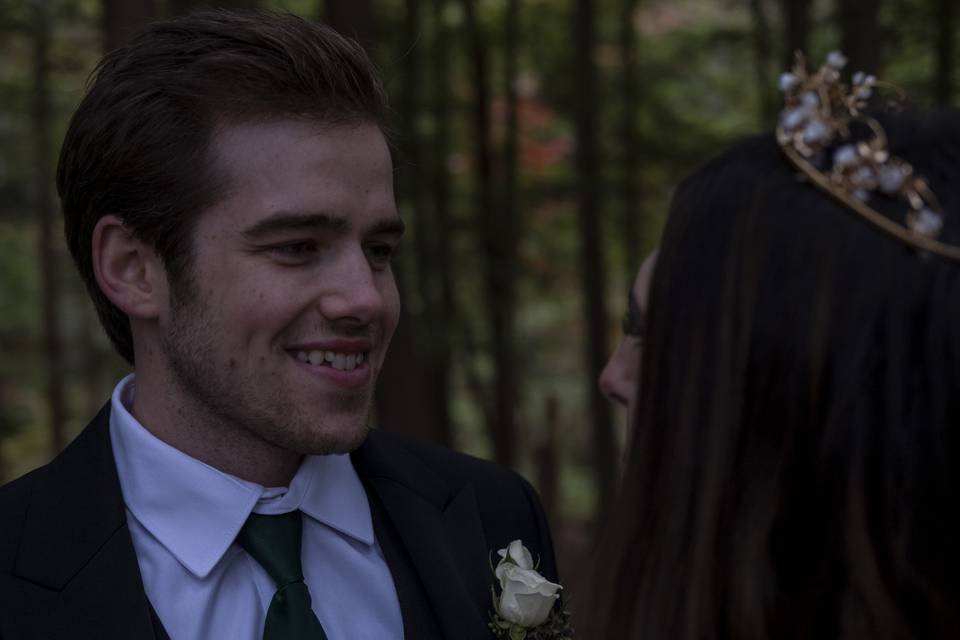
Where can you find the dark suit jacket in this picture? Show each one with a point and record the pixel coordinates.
(68, 568)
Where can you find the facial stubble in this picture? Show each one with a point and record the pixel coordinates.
(219, 395)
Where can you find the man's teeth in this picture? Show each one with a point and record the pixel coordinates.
(342, 361)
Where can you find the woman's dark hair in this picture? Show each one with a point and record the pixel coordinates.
(794, 471)
(138, 146)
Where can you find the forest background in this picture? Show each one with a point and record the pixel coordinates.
(537, 145)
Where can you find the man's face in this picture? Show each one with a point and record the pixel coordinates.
(283, 325)
(621, 376)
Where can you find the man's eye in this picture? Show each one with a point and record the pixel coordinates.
(299, 250)
(381, 254)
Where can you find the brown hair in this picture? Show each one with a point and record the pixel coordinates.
(138, 145)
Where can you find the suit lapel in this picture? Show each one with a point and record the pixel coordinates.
(76, 566)
(440, 530)
(415, 608)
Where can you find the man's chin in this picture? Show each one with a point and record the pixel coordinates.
(346, 440)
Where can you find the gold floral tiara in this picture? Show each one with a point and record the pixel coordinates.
(814, 132)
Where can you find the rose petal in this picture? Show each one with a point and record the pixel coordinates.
(535, 608)
(520, 555)
(526, 597)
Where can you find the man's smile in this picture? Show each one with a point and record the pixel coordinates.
(342, 361)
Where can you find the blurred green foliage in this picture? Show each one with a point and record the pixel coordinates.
(697, 90)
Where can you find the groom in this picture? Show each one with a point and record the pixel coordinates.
(227, 193)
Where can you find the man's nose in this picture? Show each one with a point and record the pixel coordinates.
(354, 292)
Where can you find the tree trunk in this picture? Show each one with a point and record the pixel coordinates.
(946, 46)
(122, 18)
(400, 395)
(98, 381)
(352, 18)
(410, 156)
(6, 428)
(548, 459)
(43, 201)
(591, 256)
(796, 29)
(495, 254)
(429, 418)
(510, 209)
(442, 226)
(508, 229)
(629, 141)
(763, 53)
(860, 34)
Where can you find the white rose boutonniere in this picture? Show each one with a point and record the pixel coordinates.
(524, 609)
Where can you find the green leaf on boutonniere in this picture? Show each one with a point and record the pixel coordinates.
(556, 627)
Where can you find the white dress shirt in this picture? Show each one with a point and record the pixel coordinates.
(184, 515)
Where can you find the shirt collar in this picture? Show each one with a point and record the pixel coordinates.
(328, 489)
(196, 511)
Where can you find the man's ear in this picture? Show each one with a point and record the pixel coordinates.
(128, 271)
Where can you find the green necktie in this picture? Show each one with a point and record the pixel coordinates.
(274, 542)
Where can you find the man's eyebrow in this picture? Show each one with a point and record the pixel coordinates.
(288, 221)
(392, 226)
(291, 221)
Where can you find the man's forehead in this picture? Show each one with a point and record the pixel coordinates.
(292, 173)
(227, 125)
(234, 141)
